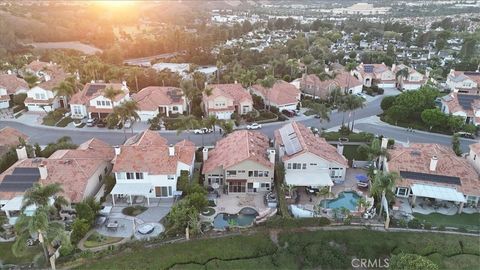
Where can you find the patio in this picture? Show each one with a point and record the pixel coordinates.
(425, 206)
(234, 202)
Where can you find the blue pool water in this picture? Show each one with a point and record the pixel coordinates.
(345, 199)
(223, 220)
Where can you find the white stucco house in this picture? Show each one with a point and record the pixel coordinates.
(146, 165)
(154, 100)
(474, 156)
(379, 74)
(10, 85)
(308, 159)
(465, 82)
(226, 99)
(413, 81)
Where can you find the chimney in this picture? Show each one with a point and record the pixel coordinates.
(340, 148)
(171, 150)
(9, 72)
(22, 152)
(394, 66)
(384, 143)
(42, 168)
(433, 163)
(118, 150)
(47, 77)
(205, 154)
(271, 155)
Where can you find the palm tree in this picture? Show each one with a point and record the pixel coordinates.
(38, 226)
(135, 72)
(65, 90)
(375, 150)
(352, 103)
(127, 111)
(382, 187)
(190, 92)
(293, 65)
(322, 111)
(110, 93)
(211, 122)
(402, 74)
(187, 123)
(227, 126)
(363, 203)
(268, 82)
(39, 195)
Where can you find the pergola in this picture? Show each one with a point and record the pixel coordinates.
(439, 193)
(314, 179)
(135, 189)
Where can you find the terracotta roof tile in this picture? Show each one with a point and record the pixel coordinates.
(9, 136)
(475, 147)
(12, 83)
(151, 97)
(93, 90)
(282, 93)
(234, 91)
(238, 146)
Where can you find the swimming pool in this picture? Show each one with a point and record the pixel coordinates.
(244, 218)
(347, 199)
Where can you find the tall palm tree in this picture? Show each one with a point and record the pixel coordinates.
(268, 82)
(39, 195)
(382, 187)
(38, 226)
(190, 92)
(65, 90)
(110, 93)
(352, 103)
(135, 72)
(375, 150)
(322, 111)
(402, 74)
(127, 111)
(211, 121)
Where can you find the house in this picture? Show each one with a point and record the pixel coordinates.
(433, 171)
(91, 101)
(154, 100)
(10, 137)
(308, 159)
(242, 162)
(375, 74)
(348, 83)
(312, 86)
(474, 156)
(10, 85)
(464, 105)
(413, 81)
(464, 82)
(42, 97)
(226, 99)
(146, 165)
(80, 172)
(282, 95)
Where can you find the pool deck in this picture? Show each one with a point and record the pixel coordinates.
(234, 202)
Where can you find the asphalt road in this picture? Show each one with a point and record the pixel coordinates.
(45, 135)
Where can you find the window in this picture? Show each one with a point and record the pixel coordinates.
(313, 164)
(241, 171)
(231, 173)
(99, 103)
(289, 165)
(265, 185)
(474, 157)
(77, 110)
(265, 173)
(107, 103)
(171, 177)
(260, 174)
(298, 166)
(139, 175)
(120, 175)
(174, 108)
(304, 166)
(401, 191)
(130, 175)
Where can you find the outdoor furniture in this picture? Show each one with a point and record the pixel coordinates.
(112, 226)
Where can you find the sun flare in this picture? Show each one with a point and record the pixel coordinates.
(115, 3)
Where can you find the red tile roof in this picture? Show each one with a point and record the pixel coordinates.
(151, 97)
(237, 147)
(149, 152)
(85, 95)
(312, 144)
(10, 136)
(12, 83)
(234, 91)
(282, 93)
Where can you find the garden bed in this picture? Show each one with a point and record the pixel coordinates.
(134, 210)
(98, 240)
(64, 122)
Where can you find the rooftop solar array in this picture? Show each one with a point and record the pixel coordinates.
(290, 140)
(20, 180)
(474, 73)
(466, 101)
(94, 88)
(175, 95)
(453, 180)
(368, 68)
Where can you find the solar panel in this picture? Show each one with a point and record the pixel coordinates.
(431, 177)
(466, 101)
(29, 171)
(94, 88)
(19, 187)
(290, 140)
(21, 179)
(368, 68)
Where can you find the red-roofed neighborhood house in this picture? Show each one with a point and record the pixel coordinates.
(282, 95)
(226, 99)
(146, 165)
(10, 85)
(240, 163)
(464, 82)
(413, 81)
(308, 159)
(92, 103)
(154, 100)
(378, 74)
(474, 156)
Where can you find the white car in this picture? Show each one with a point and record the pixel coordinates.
(202, 131)
(127, 124)
(314, 130)
(254, 126)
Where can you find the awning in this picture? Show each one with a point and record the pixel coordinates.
(441, 193)
(143, 189)
(15, 204)
(314, 179)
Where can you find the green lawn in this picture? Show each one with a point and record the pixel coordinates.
(7, 257)
(469, 221)
(96, 240)
(65, 121)
(298, 250)
(350, 152)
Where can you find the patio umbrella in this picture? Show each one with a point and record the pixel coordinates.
(361, 178)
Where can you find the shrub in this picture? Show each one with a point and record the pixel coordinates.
(441, 228)
(387, 102)
(19, 100)
(427, 226)
(414, 224)
(381, 91)
(412, 262)
(18, 108)
(80, 228)
(402, 223)
(391, 143)
(134, 210)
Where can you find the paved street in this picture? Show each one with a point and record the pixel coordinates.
(43, 135)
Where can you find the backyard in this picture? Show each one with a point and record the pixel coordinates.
(467, 221)
(294, 250)
(7, 257)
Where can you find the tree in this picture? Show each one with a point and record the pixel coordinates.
(455, 123)
(38, 226)
(65, 90)
(189, 91)
(374, 151)
(351, 104)
(211, 122)
(40, 195)
(135, 72)
(382, 187)
(110, 93)
(127, 111)
(433, 117)
(268, 82)
(31, 79)
(227, 127)
(387, 102)
(397, 113)
(187, 123)
(456, 145)
(405, 261)
(322, 111)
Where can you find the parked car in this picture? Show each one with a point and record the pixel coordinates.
(127, 124)
(313, 129)
(254, 126)
(311, 190)
(92, 122)
(77, 122)
(466, 135)
(288, 113)
(202, 131)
